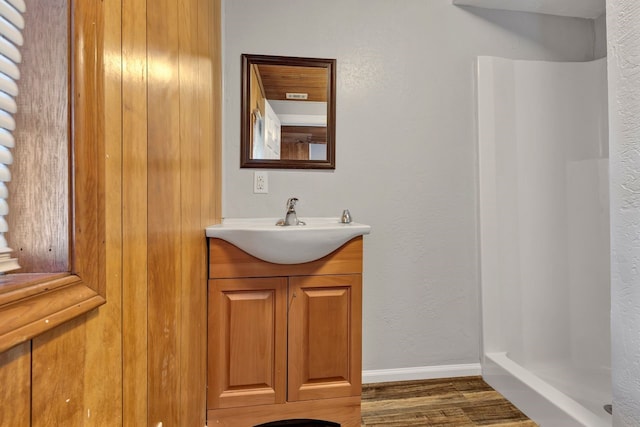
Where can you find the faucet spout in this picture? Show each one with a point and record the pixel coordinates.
(291, 204)
(291, 218)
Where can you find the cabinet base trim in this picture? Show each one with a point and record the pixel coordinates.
(420, 373)
(344, 411)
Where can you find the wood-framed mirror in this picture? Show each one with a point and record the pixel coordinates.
(288, 113)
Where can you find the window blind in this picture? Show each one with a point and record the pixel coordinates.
(11, 26)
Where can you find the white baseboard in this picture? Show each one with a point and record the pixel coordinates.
(420, 373)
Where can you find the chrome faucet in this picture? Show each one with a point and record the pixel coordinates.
(291, 218)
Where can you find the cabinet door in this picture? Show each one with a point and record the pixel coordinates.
(247, 342)
(325, 331)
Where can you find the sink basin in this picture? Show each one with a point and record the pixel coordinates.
(294, 244)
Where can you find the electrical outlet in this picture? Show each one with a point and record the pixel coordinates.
(260, 182)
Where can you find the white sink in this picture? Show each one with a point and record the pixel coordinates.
(293, 244)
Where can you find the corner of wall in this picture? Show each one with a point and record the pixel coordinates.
(600, 37)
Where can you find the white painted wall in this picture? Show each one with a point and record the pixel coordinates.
(406, 149)
(623, 34)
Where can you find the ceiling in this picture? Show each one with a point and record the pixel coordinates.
(590, 9)
(278, 80)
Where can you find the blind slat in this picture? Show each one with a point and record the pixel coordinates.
(19, 5)
(7, 103)
(10, 32)
(11, 14)
(8, 85)
(5, 155)
(6, 139)
(7, 121)
(11, 21)
(10, 51)
(5, 173)
(9, 67)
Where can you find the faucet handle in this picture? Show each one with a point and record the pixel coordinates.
(346, 217)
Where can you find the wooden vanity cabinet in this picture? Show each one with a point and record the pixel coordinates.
(284, 341)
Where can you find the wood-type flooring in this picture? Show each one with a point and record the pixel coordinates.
(448, 402)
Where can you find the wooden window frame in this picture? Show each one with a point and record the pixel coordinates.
(31, 304)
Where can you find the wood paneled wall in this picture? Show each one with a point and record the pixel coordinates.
(140, 358)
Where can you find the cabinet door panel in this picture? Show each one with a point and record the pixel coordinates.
(324, 337)
(247, 342)
(328, 331)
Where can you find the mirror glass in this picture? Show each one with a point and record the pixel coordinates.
(288, 112)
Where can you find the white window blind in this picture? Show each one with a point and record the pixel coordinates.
(11, 26)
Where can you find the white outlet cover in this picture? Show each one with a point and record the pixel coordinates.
(260, 182)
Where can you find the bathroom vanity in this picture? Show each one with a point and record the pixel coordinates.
(284, 340)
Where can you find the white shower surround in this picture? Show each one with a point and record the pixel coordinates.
(544, 214)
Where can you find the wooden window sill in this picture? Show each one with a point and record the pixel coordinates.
(32, 303)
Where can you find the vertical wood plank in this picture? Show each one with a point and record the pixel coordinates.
(193, 294)
(206, 80)
(164, 212)
(58, 375)
(216, 58)
(134, 212)
(210, 35)
(103, 361)
(15, 392)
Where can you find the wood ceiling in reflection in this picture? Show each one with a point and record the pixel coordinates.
(278, 80)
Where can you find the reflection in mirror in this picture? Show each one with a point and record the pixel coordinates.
(288, 112)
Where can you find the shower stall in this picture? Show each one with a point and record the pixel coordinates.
(544, 236)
